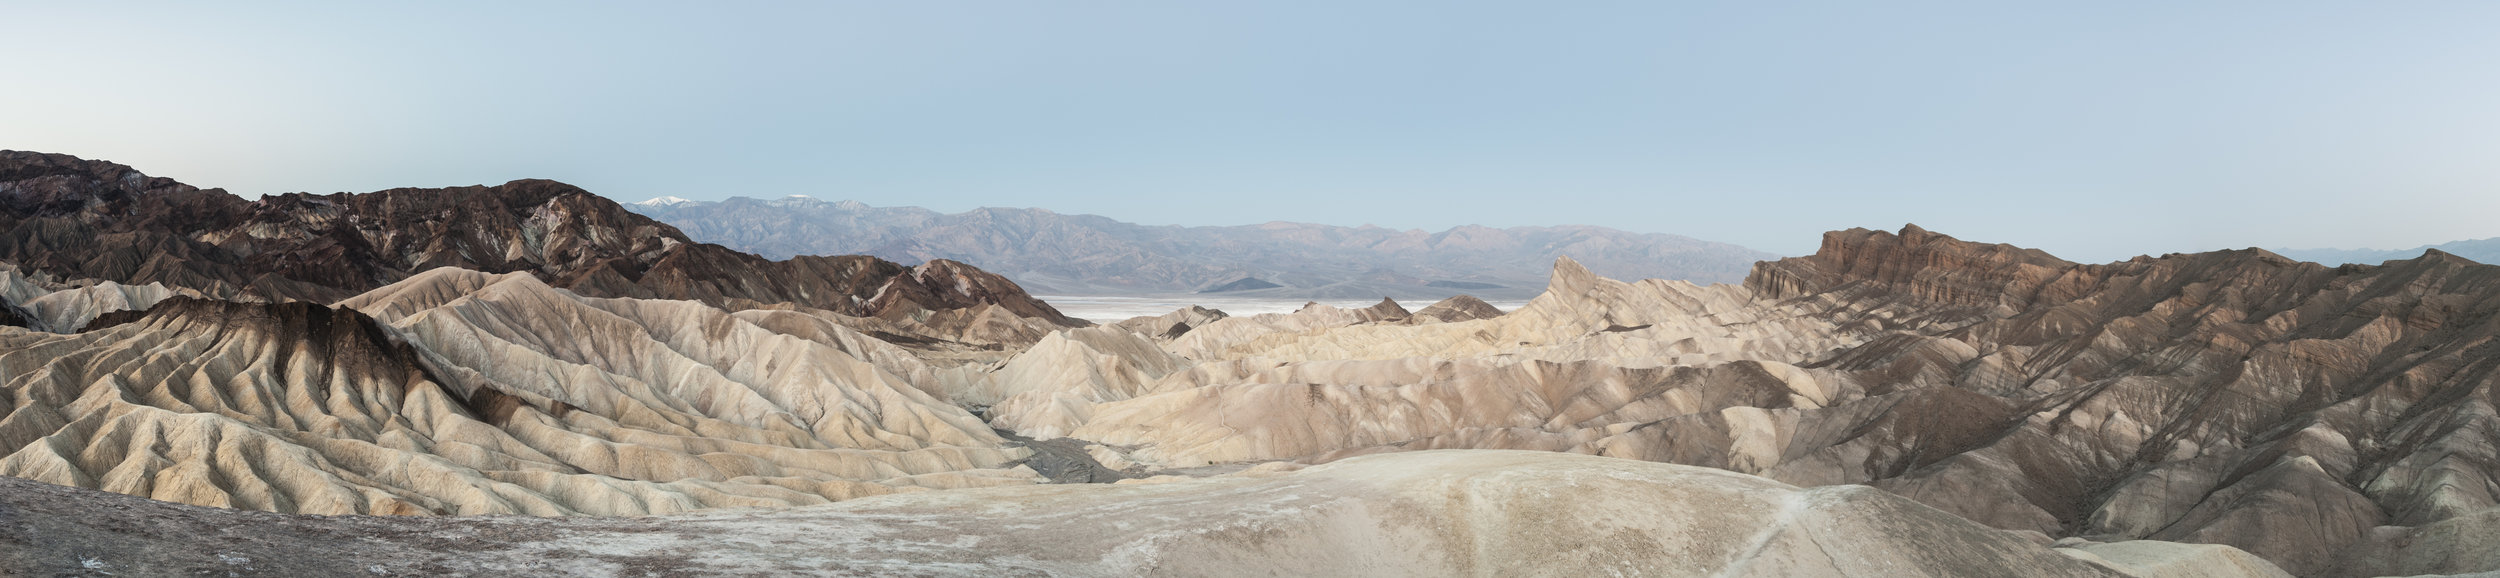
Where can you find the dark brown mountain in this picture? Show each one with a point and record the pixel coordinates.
(1460, 308)
(2234, 397)
(95, 219)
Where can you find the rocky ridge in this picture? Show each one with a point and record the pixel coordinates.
(97, 220)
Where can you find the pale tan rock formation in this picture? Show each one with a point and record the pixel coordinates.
(46, 304)
(1215, 340)
(516, 398)
(1238, 412)
(71, 309)
(1054, 386)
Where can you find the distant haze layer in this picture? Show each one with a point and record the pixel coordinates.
(1060, 254)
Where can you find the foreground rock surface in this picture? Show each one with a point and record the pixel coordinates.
(1450, 513)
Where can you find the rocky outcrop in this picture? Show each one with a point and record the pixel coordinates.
(1417, 514)
(1092, 255)
(1054, 386)
(93, 219)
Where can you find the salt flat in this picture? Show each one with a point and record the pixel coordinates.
(1114, 308)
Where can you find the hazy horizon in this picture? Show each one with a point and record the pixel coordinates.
(2093, 132)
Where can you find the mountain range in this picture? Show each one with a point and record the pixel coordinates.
(1051, 253)
(1897, 403)
(2479, 250)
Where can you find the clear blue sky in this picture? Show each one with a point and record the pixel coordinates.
(2095, 130)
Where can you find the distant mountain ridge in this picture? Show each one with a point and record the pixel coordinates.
(1049, 252)
(2479, 250)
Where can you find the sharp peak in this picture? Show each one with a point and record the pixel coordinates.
(2432, 254)
(1565, 264)
(1570, 277)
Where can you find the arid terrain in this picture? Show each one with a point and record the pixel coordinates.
(529, 379)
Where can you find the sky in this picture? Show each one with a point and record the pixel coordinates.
(2096, 130)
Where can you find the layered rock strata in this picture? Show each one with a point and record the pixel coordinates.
(471, 393)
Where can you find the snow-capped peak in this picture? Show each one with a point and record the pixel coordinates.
(797, 201)
(665, 202)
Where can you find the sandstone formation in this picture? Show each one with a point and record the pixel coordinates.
(472, 393)
(1419, 514)
(1091, 255)
(93, 219)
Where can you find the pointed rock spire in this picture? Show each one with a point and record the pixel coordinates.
(1570, 278)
